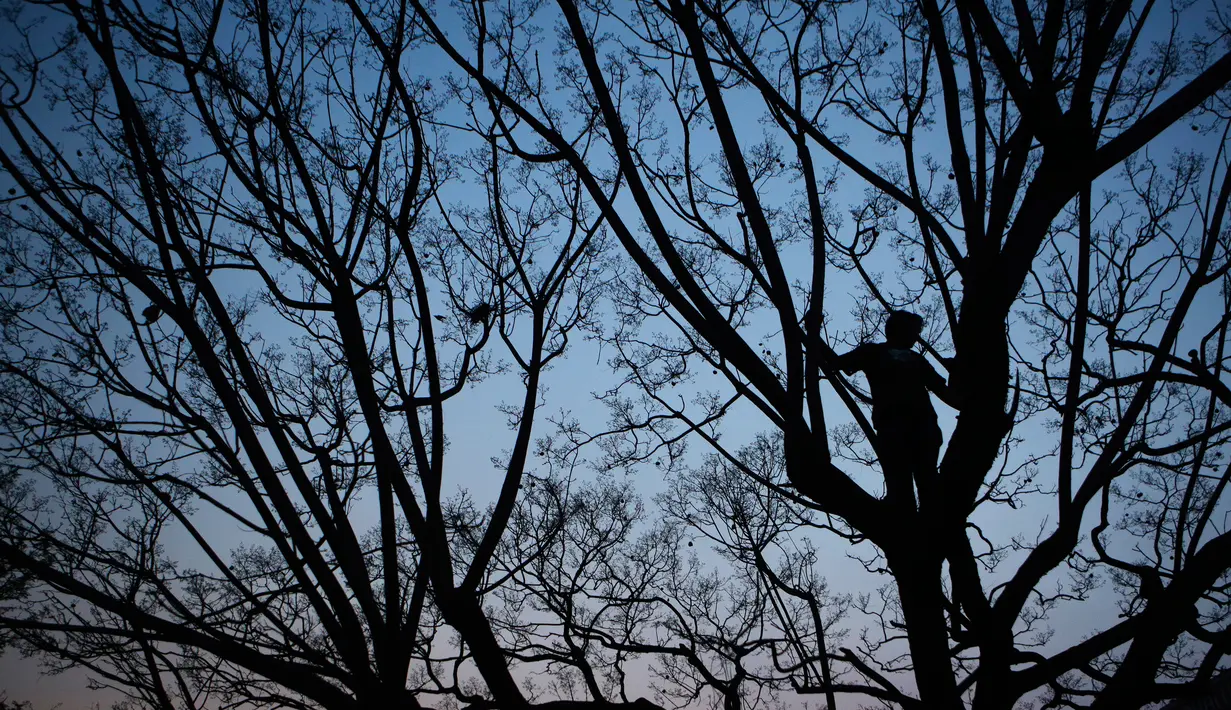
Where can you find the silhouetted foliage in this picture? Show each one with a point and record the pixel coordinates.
(237, 310)
(775, 155)
(261, 258)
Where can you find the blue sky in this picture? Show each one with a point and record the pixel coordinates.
(477, 430)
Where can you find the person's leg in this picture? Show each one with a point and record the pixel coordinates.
(926, 460)
(897, 460)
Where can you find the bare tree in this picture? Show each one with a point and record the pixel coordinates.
(239, 300)
(985, 165)
(243, 287)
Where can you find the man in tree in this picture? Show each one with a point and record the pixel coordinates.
(902, 413)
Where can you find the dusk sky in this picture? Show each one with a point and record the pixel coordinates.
(480, 435)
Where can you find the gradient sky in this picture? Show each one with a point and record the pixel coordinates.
(478, 431)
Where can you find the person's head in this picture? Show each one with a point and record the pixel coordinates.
(902, 329)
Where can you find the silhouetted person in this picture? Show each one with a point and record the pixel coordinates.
(902, 413)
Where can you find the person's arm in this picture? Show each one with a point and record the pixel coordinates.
(852, 362)
(937, 386)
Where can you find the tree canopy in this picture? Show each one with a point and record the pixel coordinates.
(268, 268)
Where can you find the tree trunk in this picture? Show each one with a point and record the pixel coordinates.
(917, 570)
(464, 612)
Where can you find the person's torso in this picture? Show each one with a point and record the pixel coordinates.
(898, 379)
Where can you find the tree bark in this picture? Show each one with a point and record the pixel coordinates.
(464, 612)
(917, 570)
